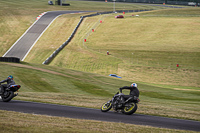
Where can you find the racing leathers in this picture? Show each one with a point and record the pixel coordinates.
(134, 93)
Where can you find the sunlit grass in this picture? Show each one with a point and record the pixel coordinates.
(140, 48)
(21, 122)
(17, 16)
(75, 88)
(145, 50)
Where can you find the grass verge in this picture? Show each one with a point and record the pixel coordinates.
(21, 122)
(49, 84)
(143, 49)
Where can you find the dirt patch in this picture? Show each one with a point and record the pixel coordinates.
(185, 89)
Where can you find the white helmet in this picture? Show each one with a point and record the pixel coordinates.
(134, 84)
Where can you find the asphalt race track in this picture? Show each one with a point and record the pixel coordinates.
(96, 114)
(24, 44)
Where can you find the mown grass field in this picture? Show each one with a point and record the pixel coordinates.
(56, 85)
(146, 52)
(17, 16)
(144, 49)
(47, 84)
(21, 122)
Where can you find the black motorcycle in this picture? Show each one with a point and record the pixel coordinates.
(9, 93)
(128, 108)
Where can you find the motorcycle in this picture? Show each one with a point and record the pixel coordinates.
(9, 93)
(128, 108)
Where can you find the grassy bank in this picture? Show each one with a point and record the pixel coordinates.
(17, 16)
(145, 49)
(69, 87)
(20, 122)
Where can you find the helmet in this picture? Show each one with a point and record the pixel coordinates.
(134, 84)
(10, 77)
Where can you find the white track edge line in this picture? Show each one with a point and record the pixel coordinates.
(39, 38)
(20, 38)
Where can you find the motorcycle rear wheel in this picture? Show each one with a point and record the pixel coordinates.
(8, 97)
(128, 110)
(106, 107)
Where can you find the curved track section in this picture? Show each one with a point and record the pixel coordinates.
(25, 43)
(96, 114)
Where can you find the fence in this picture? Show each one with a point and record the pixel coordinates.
(48, 60)
(171, 2)
(10, 59)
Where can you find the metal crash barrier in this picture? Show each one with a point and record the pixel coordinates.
(10, 59)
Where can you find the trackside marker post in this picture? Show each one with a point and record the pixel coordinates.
(107, 52)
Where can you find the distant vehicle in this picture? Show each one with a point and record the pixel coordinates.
(191, 3)
(50, 2)
(119, 16)
(114, 75)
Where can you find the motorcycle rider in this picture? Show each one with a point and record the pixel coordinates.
(9, 81)
(134, 93)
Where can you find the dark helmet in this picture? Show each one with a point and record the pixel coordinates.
(10, 77)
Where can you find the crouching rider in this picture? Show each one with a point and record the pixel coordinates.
(9, 81)
(133, 95)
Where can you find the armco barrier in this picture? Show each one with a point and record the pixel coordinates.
(53, 55)
(10, 59)
(48, 60)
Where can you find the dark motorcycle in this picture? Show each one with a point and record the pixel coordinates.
(9, 93)
(128, 108)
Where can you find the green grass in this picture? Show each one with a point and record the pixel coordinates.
(41, 83)
(184, 12)
(146, 52)
(17, 16)
(21, 122)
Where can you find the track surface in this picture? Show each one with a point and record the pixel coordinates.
(96, 114)
(24, 44)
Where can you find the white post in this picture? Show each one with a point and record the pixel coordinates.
(114, 6)
(124, 5)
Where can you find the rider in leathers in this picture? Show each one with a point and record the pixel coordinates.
(134, 93)
(9, 81)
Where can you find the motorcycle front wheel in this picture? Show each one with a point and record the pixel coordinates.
(7, 96)
(130, 109)
(106, 107)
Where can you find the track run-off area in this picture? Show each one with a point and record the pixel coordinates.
(96, 114)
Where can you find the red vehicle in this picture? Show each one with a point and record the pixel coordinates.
(119, 16)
